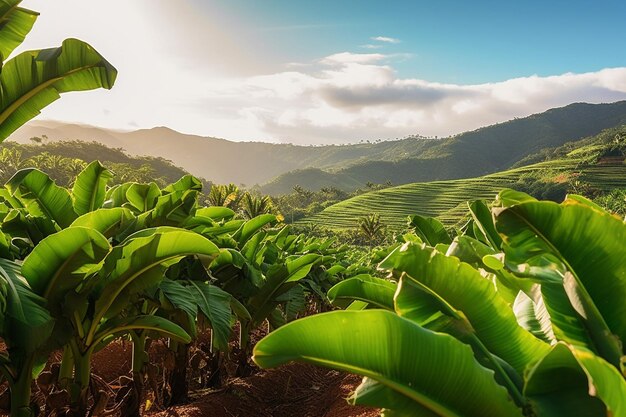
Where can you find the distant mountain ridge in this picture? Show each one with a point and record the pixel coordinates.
(220, 160)
(278, 167)
(471, 154)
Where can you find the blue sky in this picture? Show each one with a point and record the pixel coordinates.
(449, 41)
(337, 71)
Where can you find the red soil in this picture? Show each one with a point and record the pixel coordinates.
(289, 391)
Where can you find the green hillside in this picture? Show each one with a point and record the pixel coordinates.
(591, 168)
(471, 154)
(64, 159)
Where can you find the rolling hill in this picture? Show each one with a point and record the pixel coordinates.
(277, 167)
(446, 199)
(471, 154)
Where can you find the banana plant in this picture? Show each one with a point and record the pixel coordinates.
(88, 286)
(34, 79)
(454, 344)
(25, 327)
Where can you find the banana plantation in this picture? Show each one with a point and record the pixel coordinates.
(520, 312)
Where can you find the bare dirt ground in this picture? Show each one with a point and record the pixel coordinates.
(294, 390)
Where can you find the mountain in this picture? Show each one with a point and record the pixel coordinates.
(593, 166)
(219, 160)
(278, 167)
(471, 154)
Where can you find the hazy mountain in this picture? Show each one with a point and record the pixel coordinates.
(483, 151)
(220, 160)
(479, 152)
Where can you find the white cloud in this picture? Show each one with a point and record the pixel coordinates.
(355, 100)
(385, 39)
(199, 77)
(371, 46)
(349, 57)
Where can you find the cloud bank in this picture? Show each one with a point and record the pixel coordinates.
(347, 97)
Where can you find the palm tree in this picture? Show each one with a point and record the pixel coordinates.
(371, 228)
(252, 206)
(224, 195)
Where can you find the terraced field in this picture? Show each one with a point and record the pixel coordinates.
(446, 199)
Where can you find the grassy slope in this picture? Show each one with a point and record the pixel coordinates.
(446, 199)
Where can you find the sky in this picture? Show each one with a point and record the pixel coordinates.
(321, 72)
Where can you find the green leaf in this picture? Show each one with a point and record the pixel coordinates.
(532, 315)
(280, 278)
(577, 253)
(90, 188)
(116, 195)
(179, 297)
(108, 221)
(43, 196)
(26, 324)
(140, 263)
(430, 230)
(16, 24)
(485, 224)
(185, 183)
(143, 197)
(34, 79)
(508, 198)
(174, 209)
(60, 261)
(435, 371)
(216, 213)
(573, 381)
(122, 325)
(249, 228)
(214, 303)
(376, 291)
(466, 290)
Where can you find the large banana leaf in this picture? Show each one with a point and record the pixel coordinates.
(532, 314)
(25, 323)
(436, 372)
(177, 296)
(572, 381)
(483, 222)
(216, 213)
(43, 197)
(142, 197)
(90, 188)
(376, 291)
(185, 183)
(108, 221)
(34, 79)
(577, 253)
(60, 261)
(174, 209)
(280, 278)
(15, 24)
(466, 290)
(140, 263)
(160, 325)
(249, 228)
(214, 303)
(429, 229)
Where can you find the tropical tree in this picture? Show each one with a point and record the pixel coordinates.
(224, 195)
(371, 228)
(252, 206)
